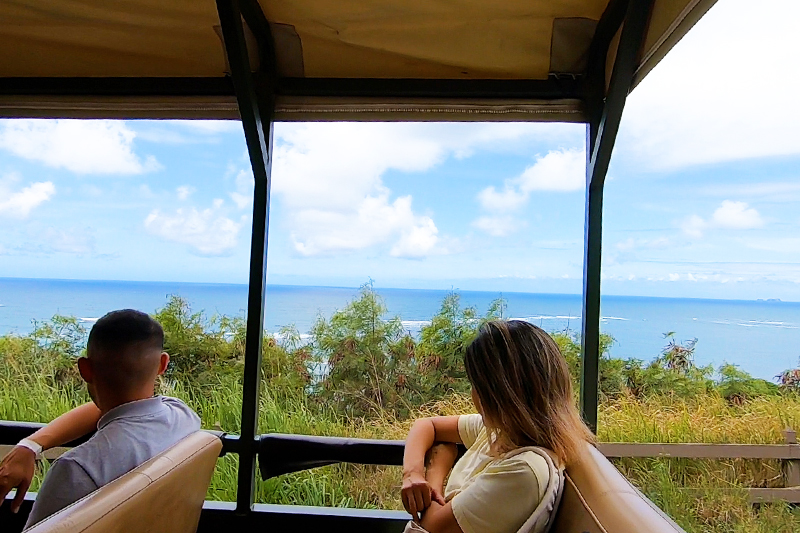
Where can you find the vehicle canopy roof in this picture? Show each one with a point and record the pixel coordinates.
(333, 60)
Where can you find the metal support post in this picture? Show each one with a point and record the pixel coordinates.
(256, 111)
(604, 120)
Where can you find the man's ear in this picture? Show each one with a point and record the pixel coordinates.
(85, 369)
(163, 363)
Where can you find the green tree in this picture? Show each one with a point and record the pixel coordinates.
(368, 360)
(200, 347)
(443, 341)
(611, 370)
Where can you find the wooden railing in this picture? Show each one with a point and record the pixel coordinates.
(788, 454)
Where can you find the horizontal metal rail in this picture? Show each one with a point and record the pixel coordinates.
(553, 88)
(282, 454)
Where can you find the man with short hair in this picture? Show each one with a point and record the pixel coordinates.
(124, 356)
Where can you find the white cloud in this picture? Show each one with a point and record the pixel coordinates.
(509, 199)
(146, 191)
(766, 191)
(729, 215)
(497, 226)
(736, 215)
(560, 170)
(210, 126)
(81, 146)
(319, 231)
(330, 178)
(242, 201)
(19, 204)
(694, 226)
(706, 101)
(783, 245)
(208, 231)
(70, 241)
(243, 195)
(417, 241)
(184, 191)
(631, 244)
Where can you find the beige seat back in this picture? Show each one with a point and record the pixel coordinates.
(598, 499)
(163, 495)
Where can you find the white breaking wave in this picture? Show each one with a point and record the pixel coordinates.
(279, 336)
(415, 324)
(548, 317)
(757, 324)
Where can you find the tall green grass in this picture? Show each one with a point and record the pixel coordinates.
(716, 501)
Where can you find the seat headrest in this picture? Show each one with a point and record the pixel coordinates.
(599, 499)
(166, 493)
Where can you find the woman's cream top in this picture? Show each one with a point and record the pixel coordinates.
(493, 494)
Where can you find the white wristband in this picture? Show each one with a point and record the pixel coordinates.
(33, 446)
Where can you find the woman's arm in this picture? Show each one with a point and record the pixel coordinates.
(417, 492)
(17, 468)
(439, 517)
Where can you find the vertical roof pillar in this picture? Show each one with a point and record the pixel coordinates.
(256, 109)
(604, 119)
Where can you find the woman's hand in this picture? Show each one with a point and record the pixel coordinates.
(417, 494)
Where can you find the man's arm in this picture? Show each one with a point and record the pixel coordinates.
(68, 427)
(17, 468)
(65, 483)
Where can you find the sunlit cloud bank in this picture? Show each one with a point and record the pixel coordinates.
(723, 93)
(80, 146)
(331, 177)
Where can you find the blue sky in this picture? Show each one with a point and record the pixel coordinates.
(701, 201)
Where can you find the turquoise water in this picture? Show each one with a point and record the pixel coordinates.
(761, 337)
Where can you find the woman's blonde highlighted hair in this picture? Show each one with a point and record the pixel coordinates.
(525, 390)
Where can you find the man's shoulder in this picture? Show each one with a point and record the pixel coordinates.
(177, 404)
(179, 409)
(76, 462)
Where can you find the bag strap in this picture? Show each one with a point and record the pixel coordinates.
(540, 520)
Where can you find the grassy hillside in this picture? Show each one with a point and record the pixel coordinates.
(362, 376)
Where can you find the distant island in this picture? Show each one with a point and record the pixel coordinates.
(768, 300)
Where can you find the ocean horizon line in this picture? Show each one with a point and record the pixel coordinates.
(390, 288)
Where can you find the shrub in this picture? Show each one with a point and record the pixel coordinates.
(737, 386)
(790, 380)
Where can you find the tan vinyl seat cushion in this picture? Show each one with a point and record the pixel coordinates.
(163, 495)
(598, 499)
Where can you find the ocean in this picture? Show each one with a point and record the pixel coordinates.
(761, 337)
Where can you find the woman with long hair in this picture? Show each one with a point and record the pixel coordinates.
(522, 390)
